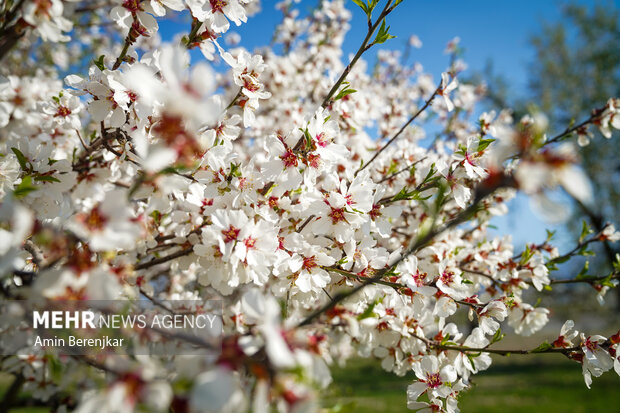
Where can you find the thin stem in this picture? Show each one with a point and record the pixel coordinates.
(401, 130)
(156, 261)
(408, 167)
(570, 130)
(121, 57)
(589, 280)
(579, 246)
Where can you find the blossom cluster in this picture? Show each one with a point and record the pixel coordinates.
(335, 219)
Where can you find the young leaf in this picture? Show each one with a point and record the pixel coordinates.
(24, 188)
(46, 178)
(583, 273)
(363, 6)
(343, 93)
(368, 312)
(544, 346)
(484, 143)
(23, 162)
(383, 35)
(99, 63)
(585, 230)
(497, 336)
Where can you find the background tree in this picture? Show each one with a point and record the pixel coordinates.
(576, 68)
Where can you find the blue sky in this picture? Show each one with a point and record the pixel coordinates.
(490, 30)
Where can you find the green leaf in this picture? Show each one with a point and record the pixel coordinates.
(444, 341)
(363, 6)
(544, 346)
(235, 169)
(471, 357)
(46, 178)
(497, 336)
(342, 260)
(23, 162)
(616, 263)
(368, 312)
(401, 195)
(526, 255)
(406, 195)
(583, 273)
(99, 63)
(484, 143)
(383, 34)
(344, 92)
(585, 251)
(24, 188)
(608, 281)
(585, 230)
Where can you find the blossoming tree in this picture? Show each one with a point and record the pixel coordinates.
(298, 189)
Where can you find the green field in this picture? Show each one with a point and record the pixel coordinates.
(545, 383)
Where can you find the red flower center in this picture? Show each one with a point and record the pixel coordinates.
(132, 5)
(321, 140)
(249, 242)
(63, 111)
(375, 212)
(218, 5)
(337, 215)
(289, 158)
(230, 234)
(309, 263)
(433, 380)
(447, 277)
(95, 221)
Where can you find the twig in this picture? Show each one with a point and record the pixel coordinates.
(408, 167)
(401, 130)
(156, 261)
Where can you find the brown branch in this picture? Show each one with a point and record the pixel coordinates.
(161, 260)
(589, 280)
(465, 349)
(595, 115)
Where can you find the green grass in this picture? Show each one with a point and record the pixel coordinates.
(545, 383)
